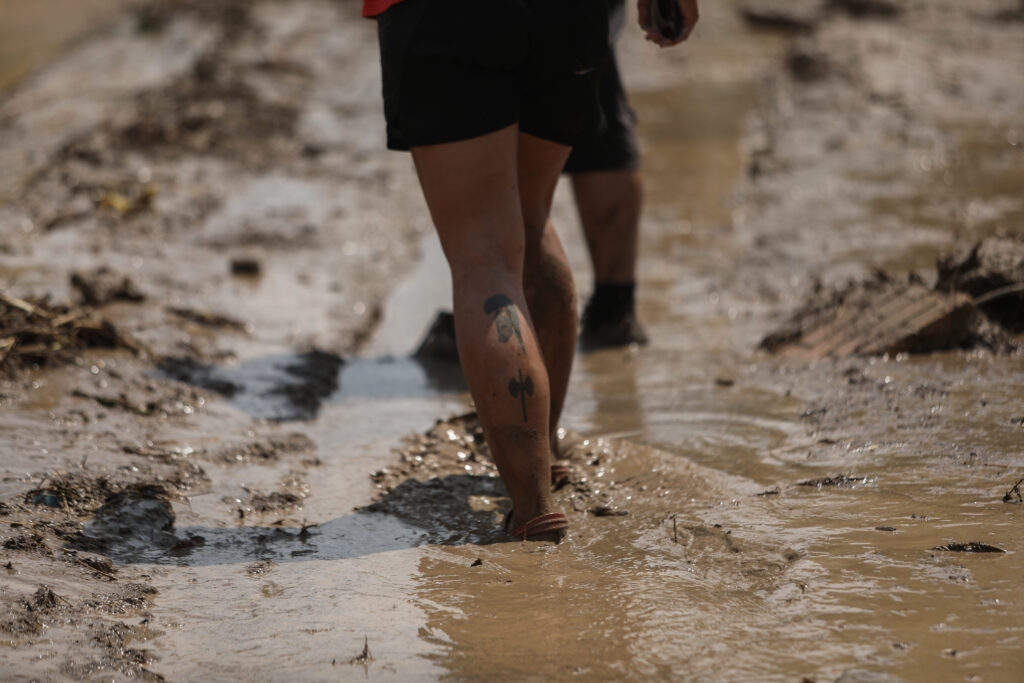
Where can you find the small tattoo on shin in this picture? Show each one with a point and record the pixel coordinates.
(506, 320)
(520, 389)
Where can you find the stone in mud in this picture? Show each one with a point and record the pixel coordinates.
(246, 267)
(800, 15)
(100, 286)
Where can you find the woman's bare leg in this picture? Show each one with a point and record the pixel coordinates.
(547, 278)
(472, 190)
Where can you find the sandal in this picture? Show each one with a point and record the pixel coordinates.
(559, 473)
(550, 527)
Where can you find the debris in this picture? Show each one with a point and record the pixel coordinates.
(885, 528)
(1014, 494)
(36, 333)
(890, 319)
(838, 481)
(477, 562)
(127, 205)
(771, 492)
(972, 547)
(992, 272)
(364, 657)
(207, 318)
(101, 286)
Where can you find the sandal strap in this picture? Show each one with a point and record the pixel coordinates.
(552, 521)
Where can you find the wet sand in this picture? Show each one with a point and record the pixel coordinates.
(734, 516)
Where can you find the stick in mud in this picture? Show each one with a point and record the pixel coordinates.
(1014, 492)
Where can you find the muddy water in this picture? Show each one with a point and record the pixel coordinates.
(33, 32)
(703, 578)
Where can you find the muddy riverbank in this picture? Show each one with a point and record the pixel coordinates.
(258, 483)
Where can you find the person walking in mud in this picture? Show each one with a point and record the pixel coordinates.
(490, 96)
(607, 184)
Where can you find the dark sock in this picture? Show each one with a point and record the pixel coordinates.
(610, 302)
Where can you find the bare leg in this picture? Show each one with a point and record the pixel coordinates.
(609, 204)
(547, 278)
(472, 189)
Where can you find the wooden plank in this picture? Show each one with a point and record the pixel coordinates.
(891, 320)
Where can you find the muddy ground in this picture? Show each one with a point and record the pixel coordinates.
(208, 472)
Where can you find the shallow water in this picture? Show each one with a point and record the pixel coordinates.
(32, 32)
(704, 579)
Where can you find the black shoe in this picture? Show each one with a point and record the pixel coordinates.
(603, 334)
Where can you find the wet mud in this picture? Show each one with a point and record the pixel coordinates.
(263, 478)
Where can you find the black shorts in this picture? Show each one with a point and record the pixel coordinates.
(614, 147)
(457, 69)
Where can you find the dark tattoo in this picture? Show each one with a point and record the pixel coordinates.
(505, 318)
(521, 389)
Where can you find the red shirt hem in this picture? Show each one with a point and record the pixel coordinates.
(372, 8)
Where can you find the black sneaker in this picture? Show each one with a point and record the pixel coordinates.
(604, 334)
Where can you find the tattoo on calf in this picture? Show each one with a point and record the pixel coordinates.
(506, 320)
(520, 389)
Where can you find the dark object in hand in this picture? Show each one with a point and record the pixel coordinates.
(666, 19)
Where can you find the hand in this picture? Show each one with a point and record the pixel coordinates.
(690, 15)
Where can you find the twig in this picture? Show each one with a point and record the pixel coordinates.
(92, 568)
(1014, 491)
(998, 293)
(21, 304)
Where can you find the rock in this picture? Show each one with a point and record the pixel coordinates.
(101, 286)
(248, 267)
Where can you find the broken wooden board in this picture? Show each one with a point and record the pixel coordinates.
(905, 318)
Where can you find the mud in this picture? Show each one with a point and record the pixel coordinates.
(734, 516)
